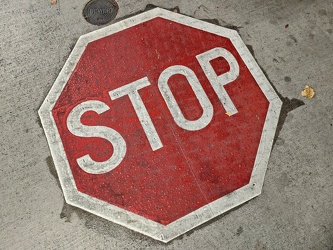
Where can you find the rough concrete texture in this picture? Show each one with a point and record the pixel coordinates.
(293, 43)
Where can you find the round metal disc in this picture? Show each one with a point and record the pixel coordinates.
(99, 12)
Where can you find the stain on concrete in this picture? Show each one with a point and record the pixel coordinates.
(239, 231)
(177, 10)
(38, 121)
(293, 38)
(273, 21)
(66, 212)
(52, 169)
(233, 27)
(147, 8)
(260, 246)
(213, 21)
(280, 141)
(71, 47)
(287, 79)
(250, 48)
(284, 181)
(99, 225)
(223, 24)
(202, 9)
(322, 12)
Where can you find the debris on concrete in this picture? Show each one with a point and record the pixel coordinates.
(308, 92)
(176, 9)
(53, 2)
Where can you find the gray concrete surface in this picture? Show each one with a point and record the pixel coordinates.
(295, 210)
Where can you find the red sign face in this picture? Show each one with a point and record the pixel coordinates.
(161, 118)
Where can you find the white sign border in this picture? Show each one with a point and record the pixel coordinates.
(129, 219)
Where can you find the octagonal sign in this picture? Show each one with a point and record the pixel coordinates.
(160, 122)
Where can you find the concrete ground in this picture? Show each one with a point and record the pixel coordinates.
(292, 42)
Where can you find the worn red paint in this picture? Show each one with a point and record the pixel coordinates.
(193, 168)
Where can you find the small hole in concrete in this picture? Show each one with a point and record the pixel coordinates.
(99, 12)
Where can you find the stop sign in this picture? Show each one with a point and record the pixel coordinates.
(160, 122)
